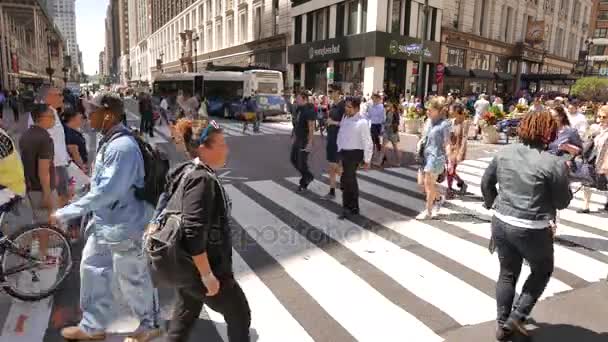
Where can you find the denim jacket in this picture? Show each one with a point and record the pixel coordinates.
(533, 183)
(117, 213)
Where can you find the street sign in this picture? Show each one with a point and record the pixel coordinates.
(439, 73)
(330, 75)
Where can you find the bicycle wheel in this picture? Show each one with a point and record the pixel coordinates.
(32, 271)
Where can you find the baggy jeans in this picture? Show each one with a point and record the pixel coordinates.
(513, 245)
(101, 262)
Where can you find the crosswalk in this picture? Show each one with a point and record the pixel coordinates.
(383, 276)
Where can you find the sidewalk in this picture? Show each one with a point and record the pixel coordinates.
(580, 315)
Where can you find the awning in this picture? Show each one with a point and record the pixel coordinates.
(548, 77)
(477, 73)
(456, 71)
(503, 76)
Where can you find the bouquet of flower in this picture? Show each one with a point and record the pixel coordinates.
(413, 113)
(492, 116)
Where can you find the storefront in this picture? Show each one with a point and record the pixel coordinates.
(363, 63)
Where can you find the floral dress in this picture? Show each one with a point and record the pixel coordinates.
(391, 128)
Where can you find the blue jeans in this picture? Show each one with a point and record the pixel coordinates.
(101, 262)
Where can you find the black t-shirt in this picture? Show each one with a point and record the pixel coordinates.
(336, 113)
(73, 137)
(36, 144)
(306, 113)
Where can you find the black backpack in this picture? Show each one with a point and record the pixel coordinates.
(156, 166)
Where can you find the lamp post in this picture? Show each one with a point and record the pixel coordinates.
(195, 39)
(162, 54)
(49, 70)
(420, 90)
(589, 45)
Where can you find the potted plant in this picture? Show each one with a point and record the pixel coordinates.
(487, 122)
(412, 122)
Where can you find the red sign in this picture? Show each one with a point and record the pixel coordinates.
(439, 73)
(14, 63)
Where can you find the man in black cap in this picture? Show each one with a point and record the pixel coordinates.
(113, 247)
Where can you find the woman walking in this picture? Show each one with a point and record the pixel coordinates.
(534, 185)
(457, 148)
(434, 150)
(206, 236)
(391, 132)
(599, 151)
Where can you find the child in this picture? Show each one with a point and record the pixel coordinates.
(457, 148)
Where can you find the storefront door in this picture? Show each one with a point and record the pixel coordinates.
(316, 77)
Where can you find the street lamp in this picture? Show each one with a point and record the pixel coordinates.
(420, 90)
(589, 45)
(195, 39)
(162, 54)
(49, 70)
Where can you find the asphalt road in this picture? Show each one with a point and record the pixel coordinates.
(380, 277)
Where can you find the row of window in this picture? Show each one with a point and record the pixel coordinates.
(476, 60)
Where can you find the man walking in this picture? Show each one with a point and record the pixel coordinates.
(113, 247)
(147, 115)
(377, 116)
(302, 141)
(355, 146)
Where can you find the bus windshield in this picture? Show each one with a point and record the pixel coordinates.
(268, 88)
(228, 90)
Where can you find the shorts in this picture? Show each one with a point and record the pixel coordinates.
(63, 180)
(434, 165)
(40, 214)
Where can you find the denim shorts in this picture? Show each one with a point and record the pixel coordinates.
(434, 165)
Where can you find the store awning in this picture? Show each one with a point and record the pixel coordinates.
(456, 71)
(503, 76)
(478, 73)
(566, 78)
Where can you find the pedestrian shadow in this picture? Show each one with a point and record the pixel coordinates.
(582, 242)
(546, 332)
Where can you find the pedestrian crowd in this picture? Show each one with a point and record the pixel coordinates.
(152, 227)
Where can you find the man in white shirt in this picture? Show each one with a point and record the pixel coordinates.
(481, 106)
(355, 146)
(54, 98)
(577, 120)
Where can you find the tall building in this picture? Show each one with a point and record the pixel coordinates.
(34, 45)
(102, 61)
(140, 25)
(112, 43)
(355, 45)
(594, 60)
(64, 15)
(505, 46)
(219, 32)
(123, 37)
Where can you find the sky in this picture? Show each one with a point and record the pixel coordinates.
(90, 31)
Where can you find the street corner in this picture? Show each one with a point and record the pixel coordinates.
(578, 315)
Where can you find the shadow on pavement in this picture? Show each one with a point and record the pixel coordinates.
(583, 242)
(565, 333)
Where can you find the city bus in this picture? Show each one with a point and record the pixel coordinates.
(268, 88)
(171, 84)
(224, 91)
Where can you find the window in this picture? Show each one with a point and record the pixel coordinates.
(297, 30)
(480, 61)
(396, 17)
(208, 10)
(433, 20)
(209, 40)
(455, 57)
(598, 50)
(218, 7)
(363, 16)
(187, 22)
(501, 64)
(559, 40)
(243, 31)
(340, 20)
(229, 32)
(408, 13)
(603, 15)
(480, 17)
(309, 27)
(352, 17)
(257, 21)
(201, 13)
(275, 17)
(321, 24)
(218, 36)
(600, 32)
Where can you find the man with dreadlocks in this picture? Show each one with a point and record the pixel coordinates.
(533, 186)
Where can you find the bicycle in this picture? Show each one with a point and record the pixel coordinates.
(24, 273)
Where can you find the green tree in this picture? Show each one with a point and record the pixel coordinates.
(591, 89)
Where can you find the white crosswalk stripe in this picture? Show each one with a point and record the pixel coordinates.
(383, 276)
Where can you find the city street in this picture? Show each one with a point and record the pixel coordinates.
(408, 280)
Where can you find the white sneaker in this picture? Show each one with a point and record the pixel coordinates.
(424, 215)
(438, 204)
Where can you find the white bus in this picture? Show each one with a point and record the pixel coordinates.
(267, 85)
(224, 91)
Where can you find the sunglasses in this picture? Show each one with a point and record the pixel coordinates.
(205, 133)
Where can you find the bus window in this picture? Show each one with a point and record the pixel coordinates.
(198, 86)
(267, 88)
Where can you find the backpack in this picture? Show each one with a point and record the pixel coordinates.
(169, 264)
(156, 167)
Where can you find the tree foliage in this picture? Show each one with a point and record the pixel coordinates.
(591, 89)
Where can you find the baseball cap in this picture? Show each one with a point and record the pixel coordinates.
(107, 100)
